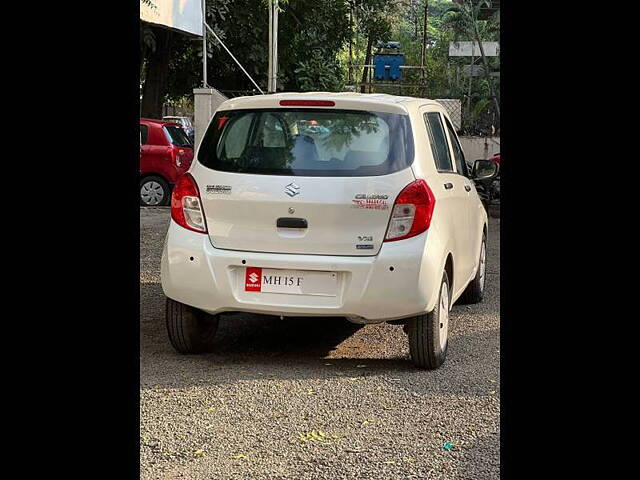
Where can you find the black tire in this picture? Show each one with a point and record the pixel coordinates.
(190, 330)
(474, 293)
(160, 185)
(424, 334)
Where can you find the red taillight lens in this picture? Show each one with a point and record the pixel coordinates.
(186, 206)
(176, 155)
(307, 103)
(412, 212)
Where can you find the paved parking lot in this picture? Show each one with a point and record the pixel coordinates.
(316, 398)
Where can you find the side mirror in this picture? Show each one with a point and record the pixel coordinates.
(484, 170)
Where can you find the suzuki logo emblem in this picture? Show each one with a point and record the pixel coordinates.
(253, 277)
(292, 189)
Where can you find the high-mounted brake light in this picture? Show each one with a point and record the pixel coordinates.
(186, 206)
(412, 212)
(307, 103)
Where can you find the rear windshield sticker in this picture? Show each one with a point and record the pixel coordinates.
(222, 121)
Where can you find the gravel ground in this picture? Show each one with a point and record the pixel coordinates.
(316, 399)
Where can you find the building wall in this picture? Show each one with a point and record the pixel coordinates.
(476, 148)
(206, 102)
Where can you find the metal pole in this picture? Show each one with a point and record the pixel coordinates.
(270, 69)
(234, 58)
(204, 46)
(423, 54)
(350, 43)
(275, 46)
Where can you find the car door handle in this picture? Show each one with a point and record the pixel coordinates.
(467, 188)
(448, 186)
(287, 222)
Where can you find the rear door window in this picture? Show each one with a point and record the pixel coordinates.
(458, 154)
(144, 134)
(307, 142)
(176, 136)
(438, 141)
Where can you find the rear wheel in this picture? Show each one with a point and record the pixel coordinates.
(474, 293)
(429, 333)
(154, 191)
(190, 330)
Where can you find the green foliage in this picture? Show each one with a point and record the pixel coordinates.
(374, 18)
(319, 72)
(313, 46)
(309, 40)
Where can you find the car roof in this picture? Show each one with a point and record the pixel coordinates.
(346, 100)
(159, 122)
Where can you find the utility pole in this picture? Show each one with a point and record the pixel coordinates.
(204, 45)
(423, 53)
(273, 46)
(473, 59)
(350, 42)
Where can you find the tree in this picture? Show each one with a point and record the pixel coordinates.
(310, 38)
(156, 74)
(463, 19)
(372, 20)
(309, 56)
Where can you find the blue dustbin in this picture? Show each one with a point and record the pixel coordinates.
(395, 62)
(387, 66)
(379, 65)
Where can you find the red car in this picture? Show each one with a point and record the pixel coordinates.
(165, 154)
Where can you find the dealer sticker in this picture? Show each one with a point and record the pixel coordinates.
(216, 189)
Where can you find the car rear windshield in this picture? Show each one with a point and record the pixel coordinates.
(177, 136)
(307, 142)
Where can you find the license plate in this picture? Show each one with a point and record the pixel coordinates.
(297, 282)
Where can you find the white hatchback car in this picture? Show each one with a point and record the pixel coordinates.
(326, 204)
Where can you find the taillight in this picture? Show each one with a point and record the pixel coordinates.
(176, 153)
(179, 152)
(186, 206)
(412, 211)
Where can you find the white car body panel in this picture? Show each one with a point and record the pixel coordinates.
(369, 291)
(245, 218)
(241, 228)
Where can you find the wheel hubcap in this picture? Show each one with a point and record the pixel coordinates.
(444, 315)
(151, 193)
(483, 261)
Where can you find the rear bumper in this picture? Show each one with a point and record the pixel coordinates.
(197, 274)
